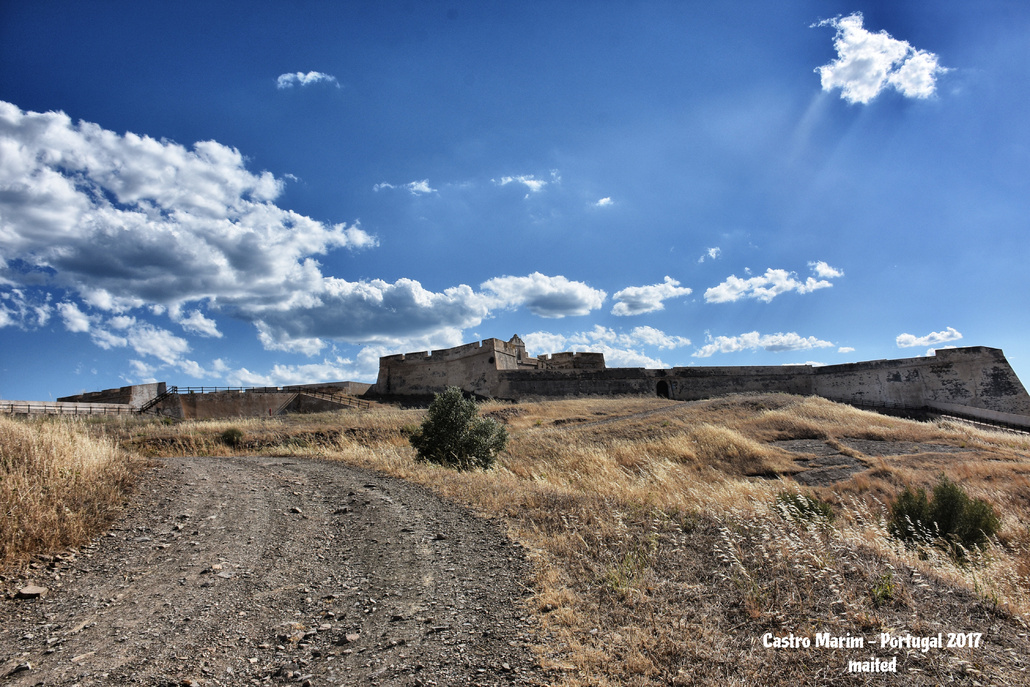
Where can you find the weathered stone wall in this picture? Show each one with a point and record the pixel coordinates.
(572, 361)
(976, 378)
(226, 404)
(472, 367)
(135, 395)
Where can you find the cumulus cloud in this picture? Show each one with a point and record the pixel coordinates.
(74, 319)
(931, 339)
(128, 220)
(771, 284)
(620, 349)
(304, 79)
(544, 296)
(824, 271)
(637, 300)
(753, 341)
(604, 202)
(197, 323)
(845, 349)
(415, 188)
(359, 312)
(867, 63)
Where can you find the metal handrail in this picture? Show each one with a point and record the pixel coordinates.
(157, 399)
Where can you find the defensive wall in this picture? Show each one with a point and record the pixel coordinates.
(201, 403)
(975, 381)
(136, 395)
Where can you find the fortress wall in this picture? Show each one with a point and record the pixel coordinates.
(572, 361)
(221, 404)
(518, 384)
(135, 395)
(975, 377)
(682, 383)
(471, 367)
(695, 383)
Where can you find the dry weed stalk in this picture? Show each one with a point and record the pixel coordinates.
(59, 485)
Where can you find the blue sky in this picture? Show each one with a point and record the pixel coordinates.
(271, 193)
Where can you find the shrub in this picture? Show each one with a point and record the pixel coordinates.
(804, 507)
(232, 437)
(951, 517)
(453, 435)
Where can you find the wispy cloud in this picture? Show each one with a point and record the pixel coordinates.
(305, 79)
(604, 202)
(528, 180)
(753, 341)
(637, 300)
(415, 188)
(867, 63)
(710, 254)
(931, 339)
(771, 284)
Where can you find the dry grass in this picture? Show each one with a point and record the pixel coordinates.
(59, 485)
(661, 556)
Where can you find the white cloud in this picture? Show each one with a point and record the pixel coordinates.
(367, 311)
(545, 296)
(823, 270)
(197, 323)
(711, 253)
(769, 285)
(931, 339)
(22, 310)
(127, 220)
(753, 341)
(604, 202)
(845, 349)
(415, 188)
(304, 79)
(620, 349)
(74, 319)
(637, 300)
(528, 180)
(867, 63)
(334, 370)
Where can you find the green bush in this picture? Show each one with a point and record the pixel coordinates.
(232, 437)
(951, 517)
(453, 435)
(803, 507)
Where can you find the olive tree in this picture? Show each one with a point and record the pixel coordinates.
(452, 434)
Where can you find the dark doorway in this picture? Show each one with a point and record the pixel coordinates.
(663, 389)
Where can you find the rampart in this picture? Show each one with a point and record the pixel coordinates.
(974, 381)
(135, 395)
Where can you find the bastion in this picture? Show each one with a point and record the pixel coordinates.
(975, 382)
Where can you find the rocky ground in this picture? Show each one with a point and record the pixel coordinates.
(238, 571)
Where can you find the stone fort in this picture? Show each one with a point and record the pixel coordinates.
(975, 382)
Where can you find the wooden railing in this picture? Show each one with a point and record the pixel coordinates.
(42, 408)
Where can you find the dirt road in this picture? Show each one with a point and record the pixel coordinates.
(239, 571)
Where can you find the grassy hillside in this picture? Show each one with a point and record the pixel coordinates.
(665, 547)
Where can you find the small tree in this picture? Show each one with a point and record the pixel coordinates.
(453, 435)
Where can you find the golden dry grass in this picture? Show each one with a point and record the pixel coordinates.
(660, 554)
(59, 485)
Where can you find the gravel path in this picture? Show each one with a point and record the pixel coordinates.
(239, 571)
